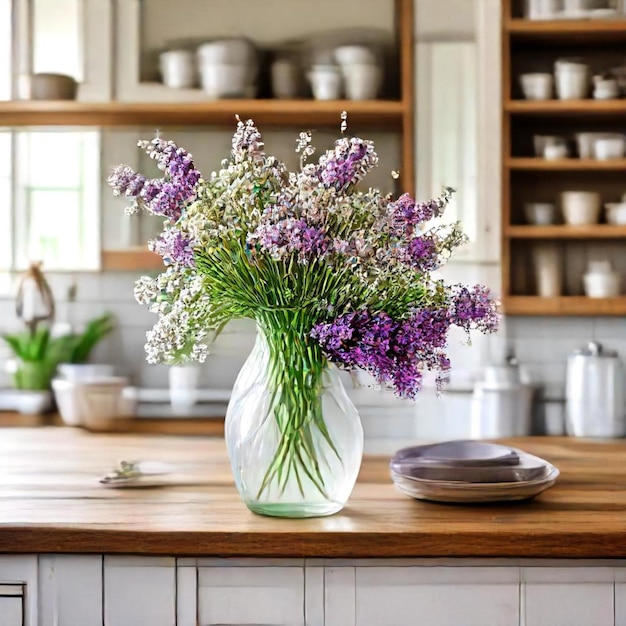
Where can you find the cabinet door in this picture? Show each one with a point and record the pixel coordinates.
(139, 591)
(11, 605)
(437, 596)
(267, 596)
(568, 596)
(18, 575)
(70, 590)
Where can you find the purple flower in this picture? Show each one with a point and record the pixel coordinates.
(125, 181)
(289, 236)
(405, 213)
(347, 163)
(161, 196)
(393, 351)
(474, 309)
(421, 253)
(175, 247)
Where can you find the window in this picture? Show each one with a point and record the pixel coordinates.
(50, 179)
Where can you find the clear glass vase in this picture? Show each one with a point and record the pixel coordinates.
(294, 438)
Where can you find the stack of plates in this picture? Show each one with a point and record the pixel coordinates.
(470, 471)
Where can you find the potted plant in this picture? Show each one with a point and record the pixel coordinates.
(75, 366)
(37, 356)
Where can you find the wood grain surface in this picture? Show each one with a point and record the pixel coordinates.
(51, 502)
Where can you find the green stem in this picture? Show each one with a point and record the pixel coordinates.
(295, 379)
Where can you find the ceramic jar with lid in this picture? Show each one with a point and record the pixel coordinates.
(601, 281)
(594, 393)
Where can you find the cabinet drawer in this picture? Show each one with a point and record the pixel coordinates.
(263, 596)
(11, 604)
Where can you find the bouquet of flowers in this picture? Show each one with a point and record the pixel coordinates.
(333, 273)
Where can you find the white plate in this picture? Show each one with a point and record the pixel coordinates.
(448, 491)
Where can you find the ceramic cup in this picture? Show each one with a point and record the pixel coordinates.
(538, 86)
(548, 270)
(361, 80)
(326, 82)
(178, 69)
(580, 207)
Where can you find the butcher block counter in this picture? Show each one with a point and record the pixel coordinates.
(51, 501)
(76, 553)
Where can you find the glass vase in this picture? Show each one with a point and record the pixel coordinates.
(294, 438)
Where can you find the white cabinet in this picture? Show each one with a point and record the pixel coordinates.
(70, 590)
(139, 591)
(268, 595)
(568, 596)
(18, 575)
(11, 601)
(437, 596)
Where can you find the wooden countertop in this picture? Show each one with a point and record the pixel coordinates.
(51, 501)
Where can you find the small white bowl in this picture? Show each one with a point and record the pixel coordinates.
(615, 213)
(607, 148)
(235, 51)
(350, 55)
(602, 284)
(362, 81)
(540, 213)
(537, 86)
(223, 80)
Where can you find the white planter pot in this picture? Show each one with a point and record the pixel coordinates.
(31, 402)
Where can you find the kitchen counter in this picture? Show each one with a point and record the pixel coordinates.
(52, 502)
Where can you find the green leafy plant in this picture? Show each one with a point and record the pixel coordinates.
(38, 354)
(94, 332)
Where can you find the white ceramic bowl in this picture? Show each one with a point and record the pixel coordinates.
(223, 80)
(235, 51)
(602, 284)
(607, 148)
(350, 55)
(615, 213)
(537, 86)
(362, 81)
(540, 213)
(580, 207)
(178, 69)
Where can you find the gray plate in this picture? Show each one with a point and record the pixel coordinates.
(462, 453)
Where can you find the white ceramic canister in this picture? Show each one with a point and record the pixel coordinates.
(594, 393)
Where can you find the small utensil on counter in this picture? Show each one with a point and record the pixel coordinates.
(145, 474)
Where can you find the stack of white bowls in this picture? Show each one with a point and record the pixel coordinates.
(228, 68)
(361, 70)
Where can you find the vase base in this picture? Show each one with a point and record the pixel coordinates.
(294, 509)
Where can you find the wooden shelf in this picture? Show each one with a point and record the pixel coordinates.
(565, 165)
(374, 113)
(566, 231)
(564, 305)
(590, 32)
(567, 108)
(131, 259)
(527, 46)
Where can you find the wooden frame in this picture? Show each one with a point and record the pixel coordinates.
(134, 108)
(96, 39)
(520, 34)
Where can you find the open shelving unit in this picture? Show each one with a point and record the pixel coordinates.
(395, 116)
(533, 46)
